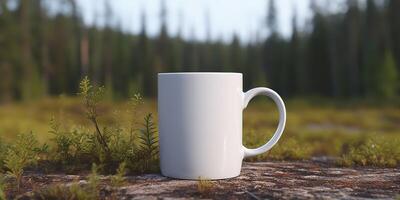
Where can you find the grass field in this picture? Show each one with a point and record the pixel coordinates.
(359, 133)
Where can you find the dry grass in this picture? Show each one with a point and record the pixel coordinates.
(204, 186)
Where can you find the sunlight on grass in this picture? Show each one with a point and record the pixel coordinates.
(336, 130)
(326, 129)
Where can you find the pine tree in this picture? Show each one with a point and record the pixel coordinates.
(353, 32)
(318, 57)
(31, 86)
(177, 50)
(387, 79)
(254, 75)
(191, 56)
(8, 53)
(394, 20)
(96, 48)
(370, 48)
(272, 18)
(236, 55)
(75, 38)
(108, 55)
(145, 64)
(43, 31)
(163, 42)
(293, 80)
(270, 49)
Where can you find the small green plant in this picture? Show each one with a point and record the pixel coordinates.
(94, 181)
(148, 142)
(204, 185)
(114, 144)
(91, 97)
(73, 148)
(135, 102)
(80, 143)
(22, 153)
(118, 179)
(110, 145)
(62, 141)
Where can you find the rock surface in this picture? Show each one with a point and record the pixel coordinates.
(262, 180)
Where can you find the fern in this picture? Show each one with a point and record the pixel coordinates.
(22, 153)
(148, 142)
(148, 138)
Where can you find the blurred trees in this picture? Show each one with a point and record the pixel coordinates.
(351, 53)
(387, 77)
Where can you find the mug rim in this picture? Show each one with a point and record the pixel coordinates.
(199, 73)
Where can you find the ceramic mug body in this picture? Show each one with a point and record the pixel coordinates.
(200, 125)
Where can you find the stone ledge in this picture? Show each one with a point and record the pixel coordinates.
(283, 180)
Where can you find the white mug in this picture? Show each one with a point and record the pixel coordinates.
(200, 124)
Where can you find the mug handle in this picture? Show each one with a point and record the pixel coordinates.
(282, 118)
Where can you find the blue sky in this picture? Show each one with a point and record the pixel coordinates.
(243, 17)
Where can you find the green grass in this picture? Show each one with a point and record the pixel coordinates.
(359, 133)
(356, 133)
(36, 115)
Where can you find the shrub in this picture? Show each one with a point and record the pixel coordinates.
(62, 141)
(73, 149)
(22, 153)
(112, 145)
(91, 97)
(373, 151)
(108, 145)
